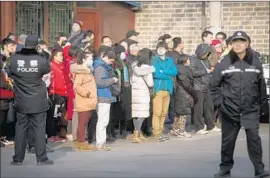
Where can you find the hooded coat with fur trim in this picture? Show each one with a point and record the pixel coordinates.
(238, 89)
(84, 87)
(27, 68)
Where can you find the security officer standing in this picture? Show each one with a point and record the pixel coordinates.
(31, 102)
(238, 90)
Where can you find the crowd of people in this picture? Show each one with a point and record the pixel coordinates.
(72, 92)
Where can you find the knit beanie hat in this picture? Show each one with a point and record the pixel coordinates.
(79, 23)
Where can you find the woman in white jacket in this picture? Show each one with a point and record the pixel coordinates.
(141, 81)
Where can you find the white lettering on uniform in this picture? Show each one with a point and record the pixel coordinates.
(33, 63)
(27, 69)
(20, 63)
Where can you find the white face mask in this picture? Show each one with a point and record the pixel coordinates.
(123, 56)
(161, 51)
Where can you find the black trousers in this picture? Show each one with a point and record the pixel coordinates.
(91, 130)
(56, 115)
(203, 112)
(171, 113)
(38, 121)
(230, 130)
(3, 117)
(31, 136)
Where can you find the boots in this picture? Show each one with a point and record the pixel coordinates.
(77, 145)
(83, 146)
(142, 137)
(136, 137)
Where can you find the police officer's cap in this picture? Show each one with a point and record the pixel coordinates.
(240, 35)
(31, 41)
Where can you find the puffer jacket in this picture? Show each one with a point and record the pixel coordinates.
(199, 68)
(141, 80)
(185, 96)
(238, 89)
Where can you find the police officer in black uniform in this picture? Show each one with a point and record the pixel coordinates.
(238, 90)
(31, 101)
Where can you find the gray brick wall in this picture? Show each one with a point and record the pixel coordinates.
(184, 19)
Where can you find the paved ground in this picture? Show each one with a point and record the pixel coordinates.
(195, 157)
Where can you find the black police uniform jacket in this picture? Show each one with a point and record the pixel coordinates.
(27, 68)
(238, 89)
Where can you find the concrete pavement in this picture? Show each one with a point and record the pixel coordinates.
(195, 157)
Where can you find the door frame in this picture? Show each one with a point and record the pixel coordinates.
(97, 29)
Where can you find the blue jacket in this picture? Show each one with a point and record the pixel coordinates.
(103, 82)
(165, 70)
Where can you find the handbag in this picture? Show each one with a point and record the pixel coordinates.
(11, 115)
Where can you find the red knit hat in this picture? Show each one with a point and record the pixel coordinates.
(79, 23)
(216, 42)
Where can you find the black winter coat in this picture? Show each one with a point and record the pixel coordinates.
(199, 71)
(238, 89)
(27, 69)
(184, 93)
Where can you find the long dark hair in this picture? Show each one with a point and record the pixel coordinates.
(80, 56)
(144, 56)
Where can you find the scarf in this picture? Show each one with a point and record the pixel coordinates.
(73, 34)
(126, 75)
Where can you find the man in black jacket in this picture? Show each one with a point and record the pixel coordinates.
(203, 112)
(238, 89)
(31, 101)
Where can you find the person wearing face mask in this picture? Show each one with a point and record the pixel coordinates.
(141, 81)
(165, 70)
(85, 97)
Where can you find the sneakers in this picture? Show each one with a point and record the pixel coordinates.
(202, 132)
(69, 137)
(176, 133)
(159, 139)
(103, 148)
(6, 142)
(56, 139)
(215, 129)
(185, 134)
(165, 137)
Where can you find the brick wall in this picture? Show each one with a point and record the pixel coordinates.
(252, 17)
(184, 19)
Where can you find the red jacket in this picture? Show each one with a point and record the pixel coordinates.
(68, 78)
(5, 92)
(58, 83)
